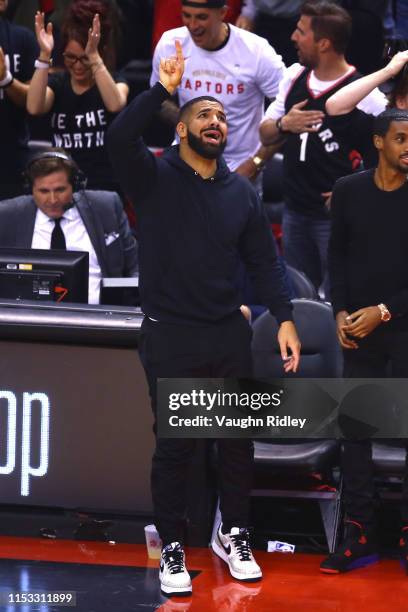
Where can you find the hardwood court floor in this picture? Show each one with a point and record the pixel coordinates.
(120, 578)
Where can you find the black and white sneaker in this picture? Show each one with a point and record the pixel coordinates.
(235, 550)
(173, 576)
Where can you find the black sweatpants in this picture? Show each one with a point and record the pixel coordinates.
(218, 350)
(384, 348)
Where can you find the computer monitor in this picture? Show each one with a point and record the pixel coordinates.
(41, 274)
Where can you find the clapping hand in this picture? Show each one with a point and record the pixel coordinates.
(171, 69)
(44, 35)
(94, 37)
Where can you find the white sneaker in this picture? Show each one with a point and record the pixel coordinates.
(173, 576)
(234, 549)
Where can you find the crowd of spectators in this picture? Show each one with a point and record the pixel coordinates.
(68, 66)
(303, 80)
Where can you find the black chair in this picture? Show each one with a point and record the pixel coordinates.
(320, 358)
(301, 284)
(389, 458)
(321, 354)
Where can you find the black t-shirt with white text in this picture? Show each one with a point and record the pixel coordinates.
(78, 125)
(21, 50)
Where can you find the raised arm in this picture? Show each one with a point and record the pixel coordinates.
(347, 98)
(133, 163)
(40, 97)
(170, 109)
(114, 95)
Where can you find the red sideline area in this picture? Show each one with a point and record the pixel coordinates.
(292, 583)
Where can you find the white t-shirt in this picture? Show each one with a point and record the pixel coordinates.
(239, 75)
(373, 104)
(76, 238)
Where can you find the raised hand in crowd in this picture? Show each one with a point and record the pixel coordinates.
(44, 35)
(94, 37)
(171, 69)
(344, 100)
(80, 122)
(397, 63)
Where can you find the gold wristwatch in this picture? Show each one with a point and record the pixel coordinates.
(259, 162)
(385, 313)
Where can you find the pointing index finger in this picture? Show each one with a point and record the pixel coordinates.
(179, 51)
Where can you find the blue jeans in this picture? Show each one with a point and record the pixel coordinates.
(305, 243)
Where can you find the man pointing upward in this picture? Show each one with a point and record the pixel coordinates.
(196, 221)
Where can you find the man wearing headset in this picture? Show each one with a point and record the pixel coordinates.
(60, 213)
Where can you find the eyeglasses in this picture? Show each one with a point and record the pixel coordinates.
(72, 59)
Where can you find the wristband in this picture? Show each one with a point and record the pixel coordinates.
(42, 64)
(278, 124)
(8, 79)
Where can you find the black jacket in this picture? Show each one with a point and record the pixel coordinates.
(192, 232)
(105, 221)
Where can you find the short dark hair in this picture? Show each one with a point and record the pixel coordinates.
(329, 20)
(185, 109)
(41, 165)
(383, 121)
(400, 89)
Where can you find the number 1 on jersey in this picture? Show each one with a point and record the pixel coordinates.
(303, 137)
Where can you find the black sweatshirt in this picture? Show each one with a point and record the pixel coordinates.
(192, 231)
(368, 251)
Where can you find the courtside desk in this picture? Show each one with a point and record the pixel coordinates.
(75, 418)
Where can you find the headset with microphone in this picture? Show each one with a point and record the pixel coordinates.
(76, 177)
